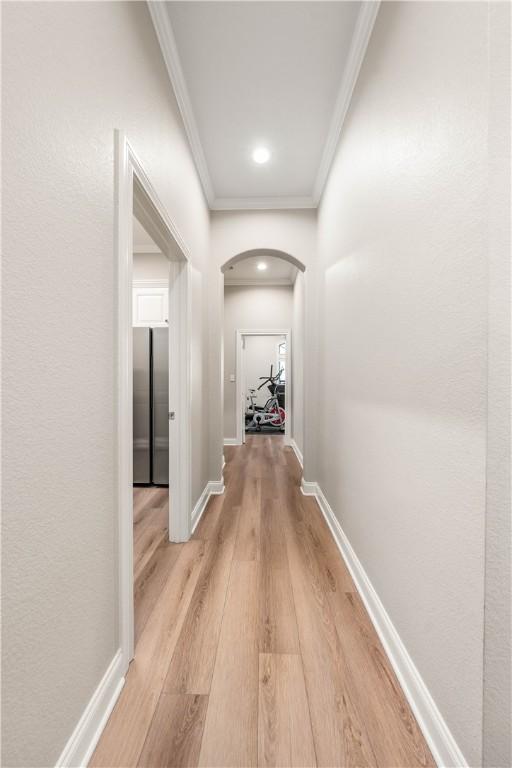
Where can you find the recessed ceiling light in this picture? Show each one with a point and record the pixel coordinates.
(261, 266)
(261, 155)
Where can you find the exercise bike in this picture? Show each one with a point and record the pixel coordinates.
(272, 413)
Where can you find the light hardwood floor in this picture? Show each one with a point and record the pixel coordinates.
(152, 557)
(257, 650)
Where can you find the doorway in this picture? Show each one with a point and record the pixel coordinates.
(264, 403)
(150, 333)
(263, 293)
(165, 509)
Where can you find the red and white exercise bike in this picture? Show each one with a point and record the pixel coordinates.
(272, 414)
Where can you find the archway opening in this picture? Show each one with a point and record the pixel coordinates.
(262, 253)
(263, 347)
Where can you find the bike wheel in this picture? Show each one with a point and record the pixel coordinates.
(279, 418)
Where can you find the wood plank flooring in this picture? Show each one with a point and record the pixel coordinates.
(152, 558)
(255, 649)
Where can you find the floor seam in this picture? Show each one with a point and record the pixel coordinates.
(300, 650)
(220, 629)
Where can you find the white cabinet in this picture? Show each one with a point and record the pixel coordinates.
(150, 303)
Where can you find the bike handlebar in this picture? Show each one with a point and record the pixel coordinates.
(270, 378)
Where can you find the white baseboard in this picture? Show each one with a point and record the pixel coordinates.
(297, 452)
(308, 488)
(216, 487)
(231, 441)
(443, 746)
(83, 740)
(212, 488)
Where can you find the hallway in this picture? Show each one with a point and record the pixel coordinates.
(259, 650)
(336, 176)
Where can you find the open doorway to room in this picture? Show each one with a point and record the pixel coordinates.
(154, 400)
(150, 319)
(264, 407)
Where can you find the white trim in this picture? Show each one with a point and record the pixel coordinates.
(258, 281)
(150, 283)
(149, 248)
(216, 487)
(308, 488)
(443, 746)
(239, 409)
(123, 245)
(180, 401)
(83, 740)
(297, 452)
(212, 488)
(231, 441)
(134, 193)
(199, 508)
(165, 35)
(261, 203)
(360, 39)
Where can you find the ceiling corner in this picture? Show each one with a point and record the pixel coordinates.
(362, 33)
(165, 35)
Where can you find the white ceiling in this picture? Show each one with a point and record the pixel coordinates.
(278, 74)
(245, 272)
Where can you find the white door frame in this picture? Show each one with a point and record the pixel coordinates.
(240, 394)
(134, 194)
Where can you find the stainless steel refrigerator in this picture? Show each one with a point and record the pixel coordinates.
(151, 406)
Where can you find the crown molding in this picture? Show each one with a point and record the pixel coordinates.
(260, 203)
(258, 282)
(363, 29)
(165, 36)
(360, 39)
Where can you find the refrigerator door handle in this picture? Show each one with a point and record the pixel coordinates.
(160, 406)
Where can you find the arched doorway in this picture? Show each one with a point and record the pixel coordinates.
(248, 325)
(262, 252)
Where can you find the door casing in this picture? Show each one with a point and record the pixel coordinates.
(135, 195)
(240, 395)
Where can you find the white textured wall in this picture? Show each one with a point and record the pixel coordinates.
(249, 307)
(402, 239)
(298, 333)
(150, 266)
(73, 72)
(497, 745)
